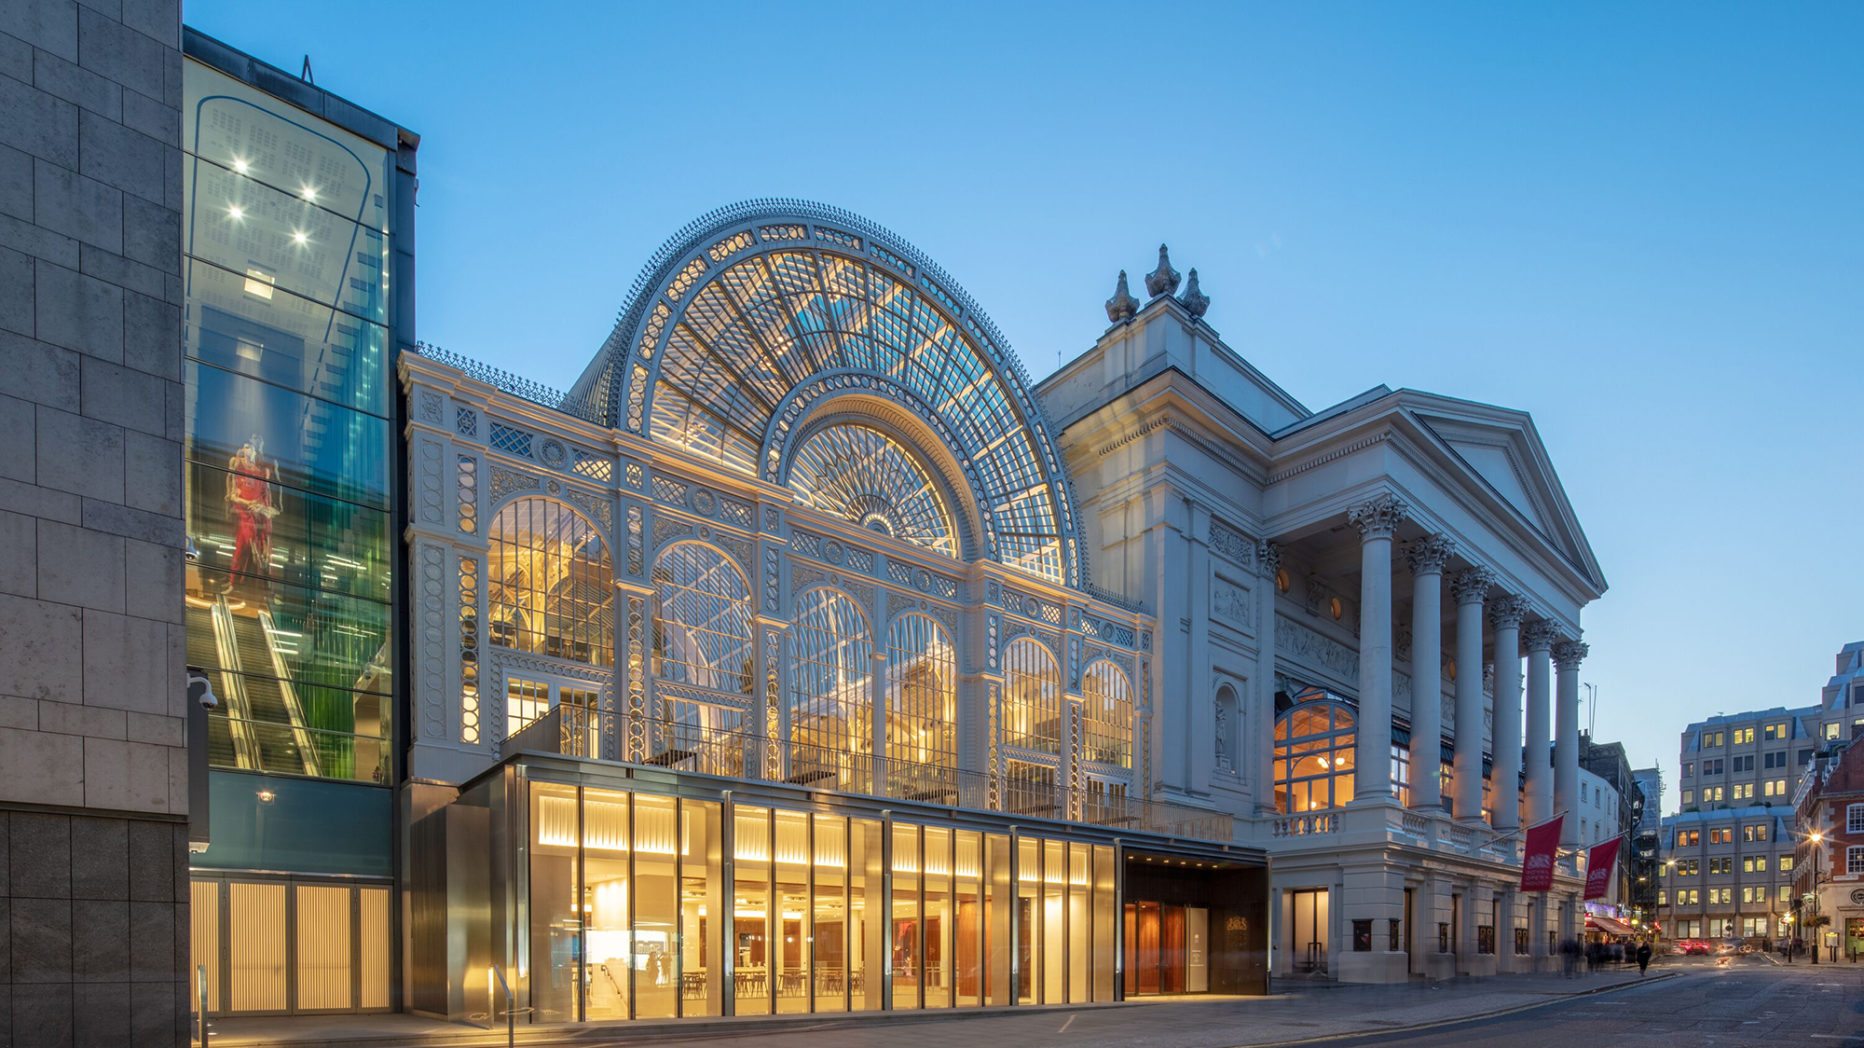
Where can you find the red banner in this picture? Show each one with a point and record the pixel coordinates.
(1537, 864)
(1599, 863)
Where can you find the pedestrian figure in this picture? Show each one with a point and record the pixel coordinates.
(1569, 957)
(1643, 958)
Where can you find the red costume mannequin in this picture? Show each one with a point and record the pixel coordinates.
(253, 504)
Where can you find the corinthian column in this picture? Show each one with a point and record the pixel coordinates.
(1567, 655)
(1505, 616)
(1537, 637)
(1376, 519)
(1261, 719)
(1469, 587)
(1427, 558)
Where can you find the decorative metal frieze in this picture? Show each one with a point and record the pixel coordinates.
(666, 489)
(685, 279)
(787, 231)
(993, 703)
(428, 499)
(431, 688)
(773, 725)
(993, 628)
(1032, 607)
(610, 744)
(596, 506)
(595, 467)
(804, 577)
(506, 483)
(836, 236)
(504, 381)
(740, 549)
(1146, 779)
(510, 439)
(744, 703)
(1108, 630)
(466, 422)
(667, 526)
(900, 572)
(772, 578)
(469, 605)
(637, 688)
(506, 660)
(1075, 786)
(467, 492)
(553, 453)
(634, 475)
(806, 543)
(773, 518)
(704, 501)
(636, 555)
(1231, 543)
(993, 592)
(946, 616)
(736, 513)
(862, 592)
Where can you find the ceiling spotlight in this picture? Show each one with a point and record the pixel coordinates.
(239, 165)
(235, 212)
(308, 193)
(298, 236)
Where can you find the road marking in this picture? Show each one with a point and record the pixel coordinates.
(1064, 1026)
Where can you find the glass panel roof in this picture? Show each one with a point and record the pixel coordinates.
(860, 475)
(766, 323)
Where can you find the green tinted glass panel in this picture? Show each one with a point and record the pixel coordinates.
(310, 541)
(284, 240)
(302, 443)
(269, 725)
(306, 826)
(243, 323)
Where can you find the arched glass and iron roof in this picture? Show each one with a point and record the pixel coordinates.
(865, 477)
(753, 316)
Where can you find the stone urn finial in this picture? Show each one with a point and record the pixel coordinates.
(1164, 279)
(1195, 301)
(1122, 306)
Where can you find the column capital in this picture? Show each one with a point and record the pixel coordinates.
(1429, 554)
(1506, 612)
(1568, 654)
(1268, 558)
(1472, 584)
(1379, 516)
(1538, 635)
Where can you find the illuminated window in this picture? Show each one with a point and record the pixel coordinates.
(1689, 798)
(702, 631)
(859, 475)
(1744, 736)
(831, 707)
(1032, 697)
(552, 589)
(1786, 864)
(1106, 715)
(921, 699)
(1314, 751)
(1721, 835)
(525, 701)
(1688, 838)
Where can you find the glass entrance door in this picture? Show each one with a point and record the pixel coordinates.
(1308, 929)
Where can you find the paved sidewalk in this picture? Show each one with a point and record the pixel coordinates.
(1292, 1013)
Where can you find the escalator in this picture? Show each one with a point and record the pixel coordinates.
(262, 727)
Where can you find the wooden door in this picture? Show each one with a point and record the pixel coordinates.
(1171, 949)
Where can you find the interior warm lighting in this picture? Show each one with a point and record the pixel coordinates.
(267, 796)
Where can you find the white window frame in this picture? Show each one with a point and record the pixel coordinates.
(1854, 859)
(1854, 818)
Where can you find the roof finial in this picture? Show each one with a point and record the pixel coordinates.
(1122, 305)
(1164, 279)
(1195, 301)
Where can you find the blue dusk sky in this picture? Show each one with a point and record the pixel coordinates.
(1644, 224)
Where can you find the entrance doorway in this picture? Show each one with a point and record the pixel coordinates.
(1308, 930)
(1166, 948)
(1410, 952)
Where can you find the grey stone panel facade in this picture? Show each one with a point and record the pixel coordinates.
(93, 772)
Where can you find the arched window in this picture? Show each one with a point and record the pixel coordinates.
(1031, 697)
(921, 700)
(861, 475)
(1106, 715)
(1314, 744)
(831, 704)
(552, 588)
(702, 631)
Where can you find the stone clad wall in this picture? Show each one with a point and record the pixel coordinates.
(93, 782)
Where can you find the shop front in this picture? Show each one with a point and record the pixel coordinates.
(622, 892)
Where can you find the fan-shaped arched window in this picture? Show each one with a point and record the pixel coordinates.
(863, 476)
(921, 700)
(831, 697)
(1106, 715)
(1314, 749)
(1031, 697)
(702, 631)
(552, 587)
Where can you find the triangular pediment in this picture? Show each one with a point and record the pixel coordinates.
(1502, 449)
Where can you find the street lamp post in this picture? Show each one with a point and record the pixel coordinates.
(1669, 894)
(1817, 839)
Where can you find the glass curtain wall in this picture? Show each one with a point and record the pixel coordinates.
(551, 590)
(831, 710)
(632, 912)
(287, 442)
(702, 640)
(921, 709)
